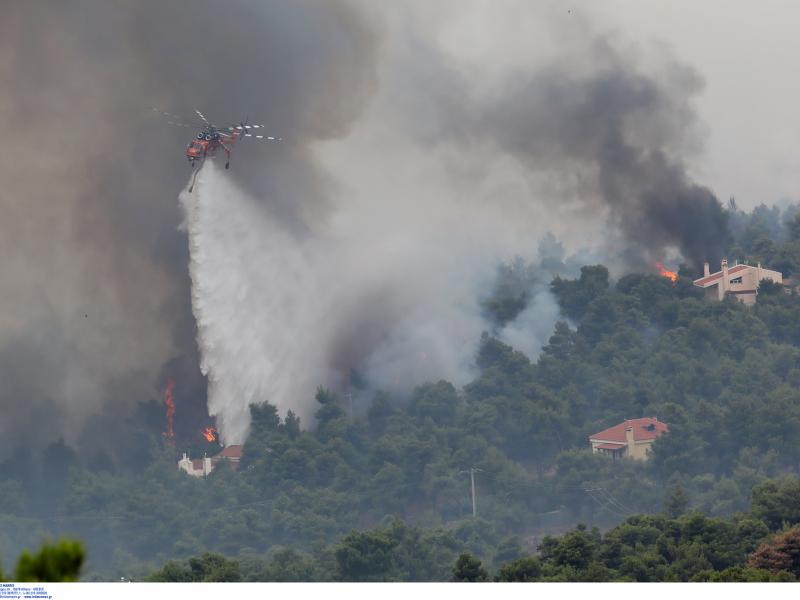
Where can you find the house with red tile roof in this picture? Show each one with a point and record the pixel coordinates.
(230, 454)
(740, 280)
(631, 438)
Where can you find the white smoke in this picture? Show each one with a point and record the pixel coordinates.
(252, 297)
(533, 326)
(388, 272)
(380, 289)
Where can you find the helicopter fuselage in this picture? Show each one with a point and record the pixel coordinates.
(208, 141)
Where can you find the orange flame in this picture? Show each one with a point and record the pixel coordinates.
(671, 275)
(210, 433)
(169, 401)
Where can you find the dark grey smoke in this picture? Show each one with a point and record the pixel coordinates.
(605, 129)
(94, 273)
(625, 134)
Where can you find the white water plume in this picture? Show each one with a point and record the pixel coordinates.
(377, 289)
(248, 296)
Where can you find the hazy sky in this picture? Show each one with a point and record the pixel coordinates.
(747, 52)
(483, 119)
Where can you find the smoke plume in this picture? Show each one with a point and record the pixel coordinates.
(279, 313)
(94, 272)
(423, 145)
(621, 133)
(442, 177)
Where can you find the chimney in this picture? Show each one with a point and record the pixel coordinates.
(726, 285)
(706, 270)
(629, 439)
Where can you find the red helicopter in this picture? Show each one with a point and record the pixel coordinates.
(212, 138)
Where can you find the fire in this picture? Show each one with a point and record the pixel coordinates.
(210, 433)
(671, 275)
(169, 402)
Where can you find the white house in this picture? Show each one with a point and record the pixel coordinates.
(740, 280)
(201, 467)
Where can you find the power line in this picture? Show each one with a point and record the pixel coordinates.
(614, 501)
(472, 472)
(603, 504)
(131, 517)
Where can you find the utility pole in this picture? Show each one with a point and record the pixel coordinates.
(349, 396)
(472, 472)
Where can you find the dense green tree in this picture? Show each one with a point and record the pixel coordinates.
(380, 412)
(54, 562)
(469, 569)
(793, 227)
(574, 296)
(527, 568)
(435, 401)
(777, 502)
(292, 425)
(366, 556)
(722, 375)
(288, 565)
(207, 567)
(742, 575)
(677, 502)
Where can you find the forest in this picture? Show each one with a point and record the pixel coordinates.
(384, 493)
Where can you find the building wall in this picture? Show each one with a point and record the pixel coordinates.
(748, 281)
(639, 450)
(743, 284)
(185, 464)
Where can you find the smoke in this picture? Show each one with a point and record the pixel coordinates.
(622, 133)
(442, 177)
(94, 273)
(423, 145)
(254, 298)
(279, 313)
(590, 125)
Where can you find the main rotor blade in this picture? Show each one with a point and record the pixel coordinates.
(202, 116)
(180, 120)
(263, 137)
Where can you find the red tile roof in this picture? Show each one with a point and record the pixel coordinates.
(232, 452)
(640, 430)
(704, 281)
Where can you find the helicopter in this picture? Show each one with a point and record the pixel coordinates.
(211, 138)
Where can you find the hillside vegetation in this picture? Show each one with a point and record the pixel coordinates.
(725, 378)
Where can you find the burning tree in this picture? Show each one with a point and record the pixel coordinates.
(169, 402)
(210, 433)
(664, 272)
(782, 553)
